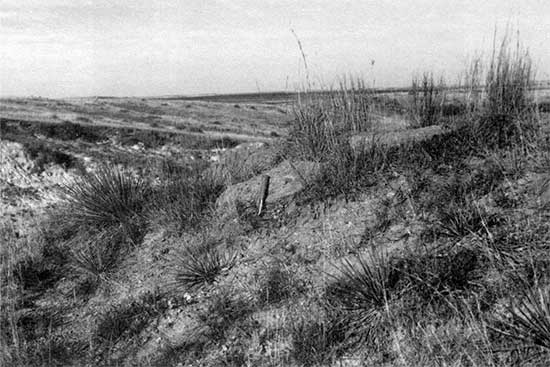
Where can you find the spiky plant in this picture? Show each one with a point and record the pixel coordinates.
(360, 296)
(530, 319)
(460, 219)
(107, 197)
(196, 266)
(96, 253)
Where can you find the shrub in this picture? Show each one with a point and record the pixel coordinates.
(67, 130)
(44, 155)
(196, 266)
(109, 197)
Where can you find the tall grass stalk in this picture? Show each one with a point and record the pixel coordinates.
(428, 99)
(324, 120)
(509, 79)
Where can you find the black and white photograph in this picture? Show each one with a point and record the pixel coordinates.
(276, 183)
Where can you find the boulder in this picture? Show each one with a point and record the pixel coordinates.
(286, 180)
(244, 162)
(395, 138)
(541, 188)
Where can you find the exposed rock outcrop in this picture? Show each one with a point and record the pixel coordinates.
(287, 180)
(395, 138)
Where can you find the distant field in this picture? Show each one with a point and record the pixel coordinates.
(247, 122)
(283, 98)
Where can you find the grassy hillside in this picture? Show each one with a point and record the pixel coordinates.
(398, 230)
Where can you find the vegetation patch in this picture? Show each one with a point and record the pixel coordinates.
(197, 265)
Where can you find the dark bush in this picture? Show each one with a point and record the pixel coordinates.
(544, 106)
(43, 155)
(436, 274)
(129, 318)
(314, 342)
(149, 138)
(67, 130)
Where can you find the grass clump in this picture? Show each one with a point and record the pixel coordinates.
(528, 322)
(105, 216)
(509, 80)
(129, 318)
(324, 121)
(360, 298)
(96, 253)
(505, 112)
(428, 100)
(196, 266)
(184, 200)
(106, 197)
(222, 313)
(461, 219)
(277, 284)
(436, 274)
(313, 341)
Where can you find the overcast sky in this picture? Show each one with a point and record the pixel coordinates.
(57, 48)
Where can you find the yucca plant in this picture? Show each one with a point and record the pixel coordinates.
(107, 197)
(530, 319)
(96, 253)
(195, 266)
(360, 297)
(461, 219)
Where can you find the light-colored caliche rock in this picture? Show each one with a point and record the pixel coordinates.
(541, 188)
(244, 161)
(287, 180)
(395, 138)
